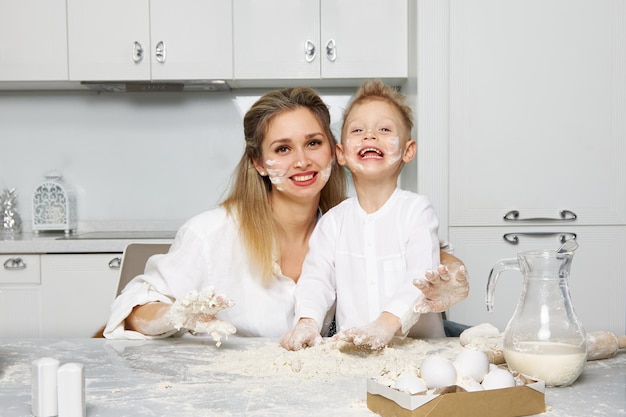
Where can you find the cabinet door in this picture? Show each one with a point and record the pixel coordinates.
(108, 40)
(193, 39)
(77, 292)
(20, 308)
(271, 38)
(597, 284)
(364, 39)
(33, 40)
(537, 110)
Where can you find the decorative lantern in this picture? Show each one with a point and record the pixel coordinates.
(54, 205)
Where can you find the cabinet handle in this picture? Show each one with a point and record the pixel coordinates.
(115, 263)
(137, 52)
(566, 215)
(160, 52)
(513, 238)
(331, 50)
(309, 51)
(15, 264)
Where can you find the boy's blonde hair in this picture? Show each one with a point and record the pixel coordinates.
(249, 196)
(377, 90)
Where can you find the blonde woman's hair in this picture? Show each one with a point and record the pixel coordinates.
(249, 199)
(377, 90)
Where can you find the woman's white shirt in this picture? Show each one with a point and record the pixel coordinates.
(208, 251)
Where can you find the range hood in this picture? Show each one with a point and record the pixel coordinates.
(156, 86)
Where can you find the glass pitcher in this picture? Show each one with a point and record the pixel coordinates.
(544, 339)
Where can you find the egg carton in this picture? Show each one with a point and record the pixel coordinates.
(454, 401)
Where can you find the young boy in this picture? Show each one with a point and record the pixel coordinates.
(365, 253)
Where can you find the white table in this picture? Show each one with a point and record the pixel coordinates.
(178, 377)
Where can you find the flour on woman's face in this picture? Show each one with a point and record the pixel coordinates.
(277, 174)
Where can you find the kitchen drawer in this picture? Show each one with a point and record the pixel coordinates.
(20, 269)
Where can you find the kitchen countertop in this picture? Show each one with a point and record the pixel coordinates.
(82, 242)
(254, 377)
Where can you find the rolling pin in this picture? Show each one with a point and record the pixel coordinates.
(600, 345)
(603, 345)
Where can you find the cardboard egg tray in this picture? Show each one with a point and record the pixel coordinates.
(454, 401)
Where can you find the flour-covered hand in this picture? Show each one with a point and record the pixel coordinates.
(196, 312)
(442, 288)
(375, 335)
(306, 333)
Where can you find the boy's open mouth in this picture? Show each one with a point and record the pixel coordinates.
(371, 153)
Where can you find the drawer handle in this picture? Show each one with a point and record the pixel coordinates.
(115, 263)
(331, 50)
(160, 52)
(566, 215)
(15, 264)
(309, 51)
(513, 238)
(137, 52)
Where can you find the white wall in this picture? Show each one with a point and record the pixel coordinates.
(130, 157)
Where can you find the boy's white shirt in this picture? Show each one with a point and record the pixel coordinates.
(367, 262)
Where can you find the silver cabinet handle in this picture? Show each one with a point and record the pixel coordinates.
(565, 215)
(115, 263)
(513, 238)
(160, 52)
(137, 52)
(14, 264)
(331, 50)
(309, 51)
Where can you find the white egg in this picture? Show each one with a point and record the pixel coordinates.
(498, 378)
(410, 383)
(437, 372)
(472, 363)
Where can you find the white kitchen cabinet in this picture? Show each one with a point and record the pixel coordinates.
(56, 295)
(33, 40)
(522, 109)
(20, 295)
(537, 111)
(76, 292)
(597, 284)
(149, 40)
(328, 39)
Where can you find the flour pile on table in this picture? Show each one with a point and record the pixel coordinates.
(327, 360)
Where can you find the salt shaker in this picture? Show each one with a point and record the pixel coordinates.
(71, 390)
(44, 387)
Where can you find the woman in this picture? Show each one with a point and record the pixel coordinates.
(250, 248)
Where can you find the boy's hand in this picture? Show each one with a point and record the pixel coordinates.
(304, 334)
(442, 288)
(375, 335)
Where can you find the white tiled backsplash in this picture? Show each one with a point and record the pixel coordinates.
(135, 157)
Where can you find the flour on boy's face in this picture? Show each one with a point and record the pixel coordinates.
(359, 152)
(372, 136)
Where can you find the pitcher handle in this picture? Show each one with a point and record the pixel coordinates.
(500, 266)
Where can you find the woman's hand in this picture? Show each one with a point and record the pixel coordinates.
(197, 310)
(304, 334)
(444, 287)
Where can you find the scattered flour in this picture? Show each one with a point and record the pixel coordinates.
(325, 361)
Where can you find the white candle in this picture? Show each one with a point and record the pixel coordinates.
(44, 387)
(71, 390)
